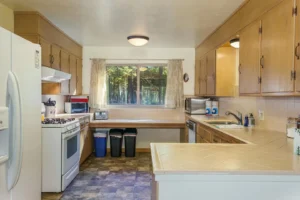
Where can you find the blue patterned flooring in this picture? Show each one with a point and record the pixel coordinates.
(110, 179)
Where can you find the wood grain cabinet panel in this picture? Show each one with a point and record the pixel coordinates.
(203, 78)
(211, 73)
(46, 52)
(249, 68)
(203, 134)
(197, 77)
(88, 147)
(64, 61)
(55, 54)
(297, 49)
(79, 76)
(277, 48)
(73, 72)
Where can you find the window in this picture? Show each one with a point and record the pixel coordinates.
(136, 84)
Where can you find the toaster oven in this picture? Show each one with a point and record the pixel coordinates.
(195, 106)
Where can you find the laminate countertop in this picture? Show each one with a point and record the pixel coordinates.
(265, 152)
(77, 116)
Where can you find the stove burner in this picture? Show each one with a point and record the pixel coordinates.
(57, 120)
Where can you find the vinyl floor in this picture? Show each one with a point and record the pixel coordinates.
(110, 179)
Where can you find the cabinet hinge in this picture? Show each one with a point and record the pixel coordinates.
(295, 11)
(259, 80)
(260, 30)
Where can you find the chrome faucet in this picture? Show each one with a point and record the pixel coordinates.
(239, 116)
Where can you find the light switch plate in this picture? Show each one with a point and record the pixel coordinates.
(261, 115)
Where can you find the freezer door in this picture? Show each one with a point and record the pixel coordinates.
(26, 67)
(5, 67)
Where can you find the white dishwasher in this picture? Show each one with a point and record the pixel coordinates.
(192, 126)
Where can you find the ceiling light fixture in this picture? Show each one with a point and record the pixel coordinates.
(235, 43)
(138, 40)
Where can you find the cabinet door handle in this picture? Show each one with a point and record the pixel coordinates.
(262, 60)
(240, 68)
(296, 51)
(292, 75)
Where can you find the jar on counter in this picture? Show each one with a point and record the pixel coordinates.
(291, 127)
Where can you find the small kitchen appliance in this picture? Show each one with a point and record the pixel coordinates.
(195, 106)
(77, 104)
(101, 115)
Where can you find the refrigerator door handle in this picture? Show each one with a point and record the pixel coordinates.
(13, 100)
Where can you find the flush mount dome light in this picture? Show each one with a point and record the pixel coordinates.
(235, 43)
(138, 40)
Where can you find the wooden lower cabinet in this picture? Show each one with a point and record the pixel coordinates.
(206, 134)
(88, 146)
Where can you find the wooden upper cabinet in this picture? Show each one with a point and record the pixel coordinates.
(203, 76)
(55, 56)
(197, 77)
(79, 76)
(73, 72)
(277, 49)
(211, 73)
(64, 61)
(226, 69)
(297, 50)
(249, 54)
(46, 52)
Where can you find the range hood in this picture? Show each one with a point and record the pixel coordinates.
(52, 75)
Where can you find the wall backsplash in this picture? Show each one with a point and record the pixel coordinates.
(60, 102)
(276, 109)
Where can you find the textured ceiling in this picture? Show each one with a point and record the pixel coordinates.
(168, 23)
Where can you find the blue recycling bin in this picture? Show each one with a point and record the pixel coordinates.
(100, 141)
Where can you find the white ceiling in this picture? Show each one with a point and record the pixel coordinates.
(168, 23)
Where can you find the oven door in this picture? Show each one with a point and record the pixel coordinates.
(70, 149)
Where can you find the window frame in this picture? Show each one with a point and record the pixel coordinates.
(138, 99)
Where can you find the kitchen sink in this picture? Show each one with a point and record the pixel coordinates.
(225, 124)
(221, 122)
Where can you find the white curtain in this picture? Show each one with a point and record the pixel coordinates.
(174, 92)
(98, 96)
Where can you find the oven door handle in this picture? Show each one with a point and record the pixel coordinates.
(68, 136)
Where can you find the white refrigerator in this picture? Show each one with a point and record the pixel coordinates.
(20, 118)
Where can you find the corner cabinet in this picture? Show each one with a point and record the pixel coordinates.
(216, 73)
(59, 51)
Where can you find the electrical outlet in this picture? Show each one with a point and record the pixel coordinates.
(261, 115)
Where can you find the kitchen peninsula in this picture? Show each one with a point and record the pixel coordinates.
(264, 168)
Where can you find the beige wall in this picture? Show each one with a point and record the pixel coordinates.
(6, 18)
(276, 109)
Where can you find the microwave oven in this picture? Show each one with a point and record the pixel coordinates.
(76, 107)
(195, 106)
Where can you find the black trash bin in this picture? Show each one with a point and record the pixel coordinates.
(116, 139)
(130, 141)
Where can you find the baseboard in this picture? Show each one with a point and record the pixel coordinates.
(138, 150)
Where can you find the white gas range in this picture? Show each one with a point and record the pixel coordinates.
(60, 153)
